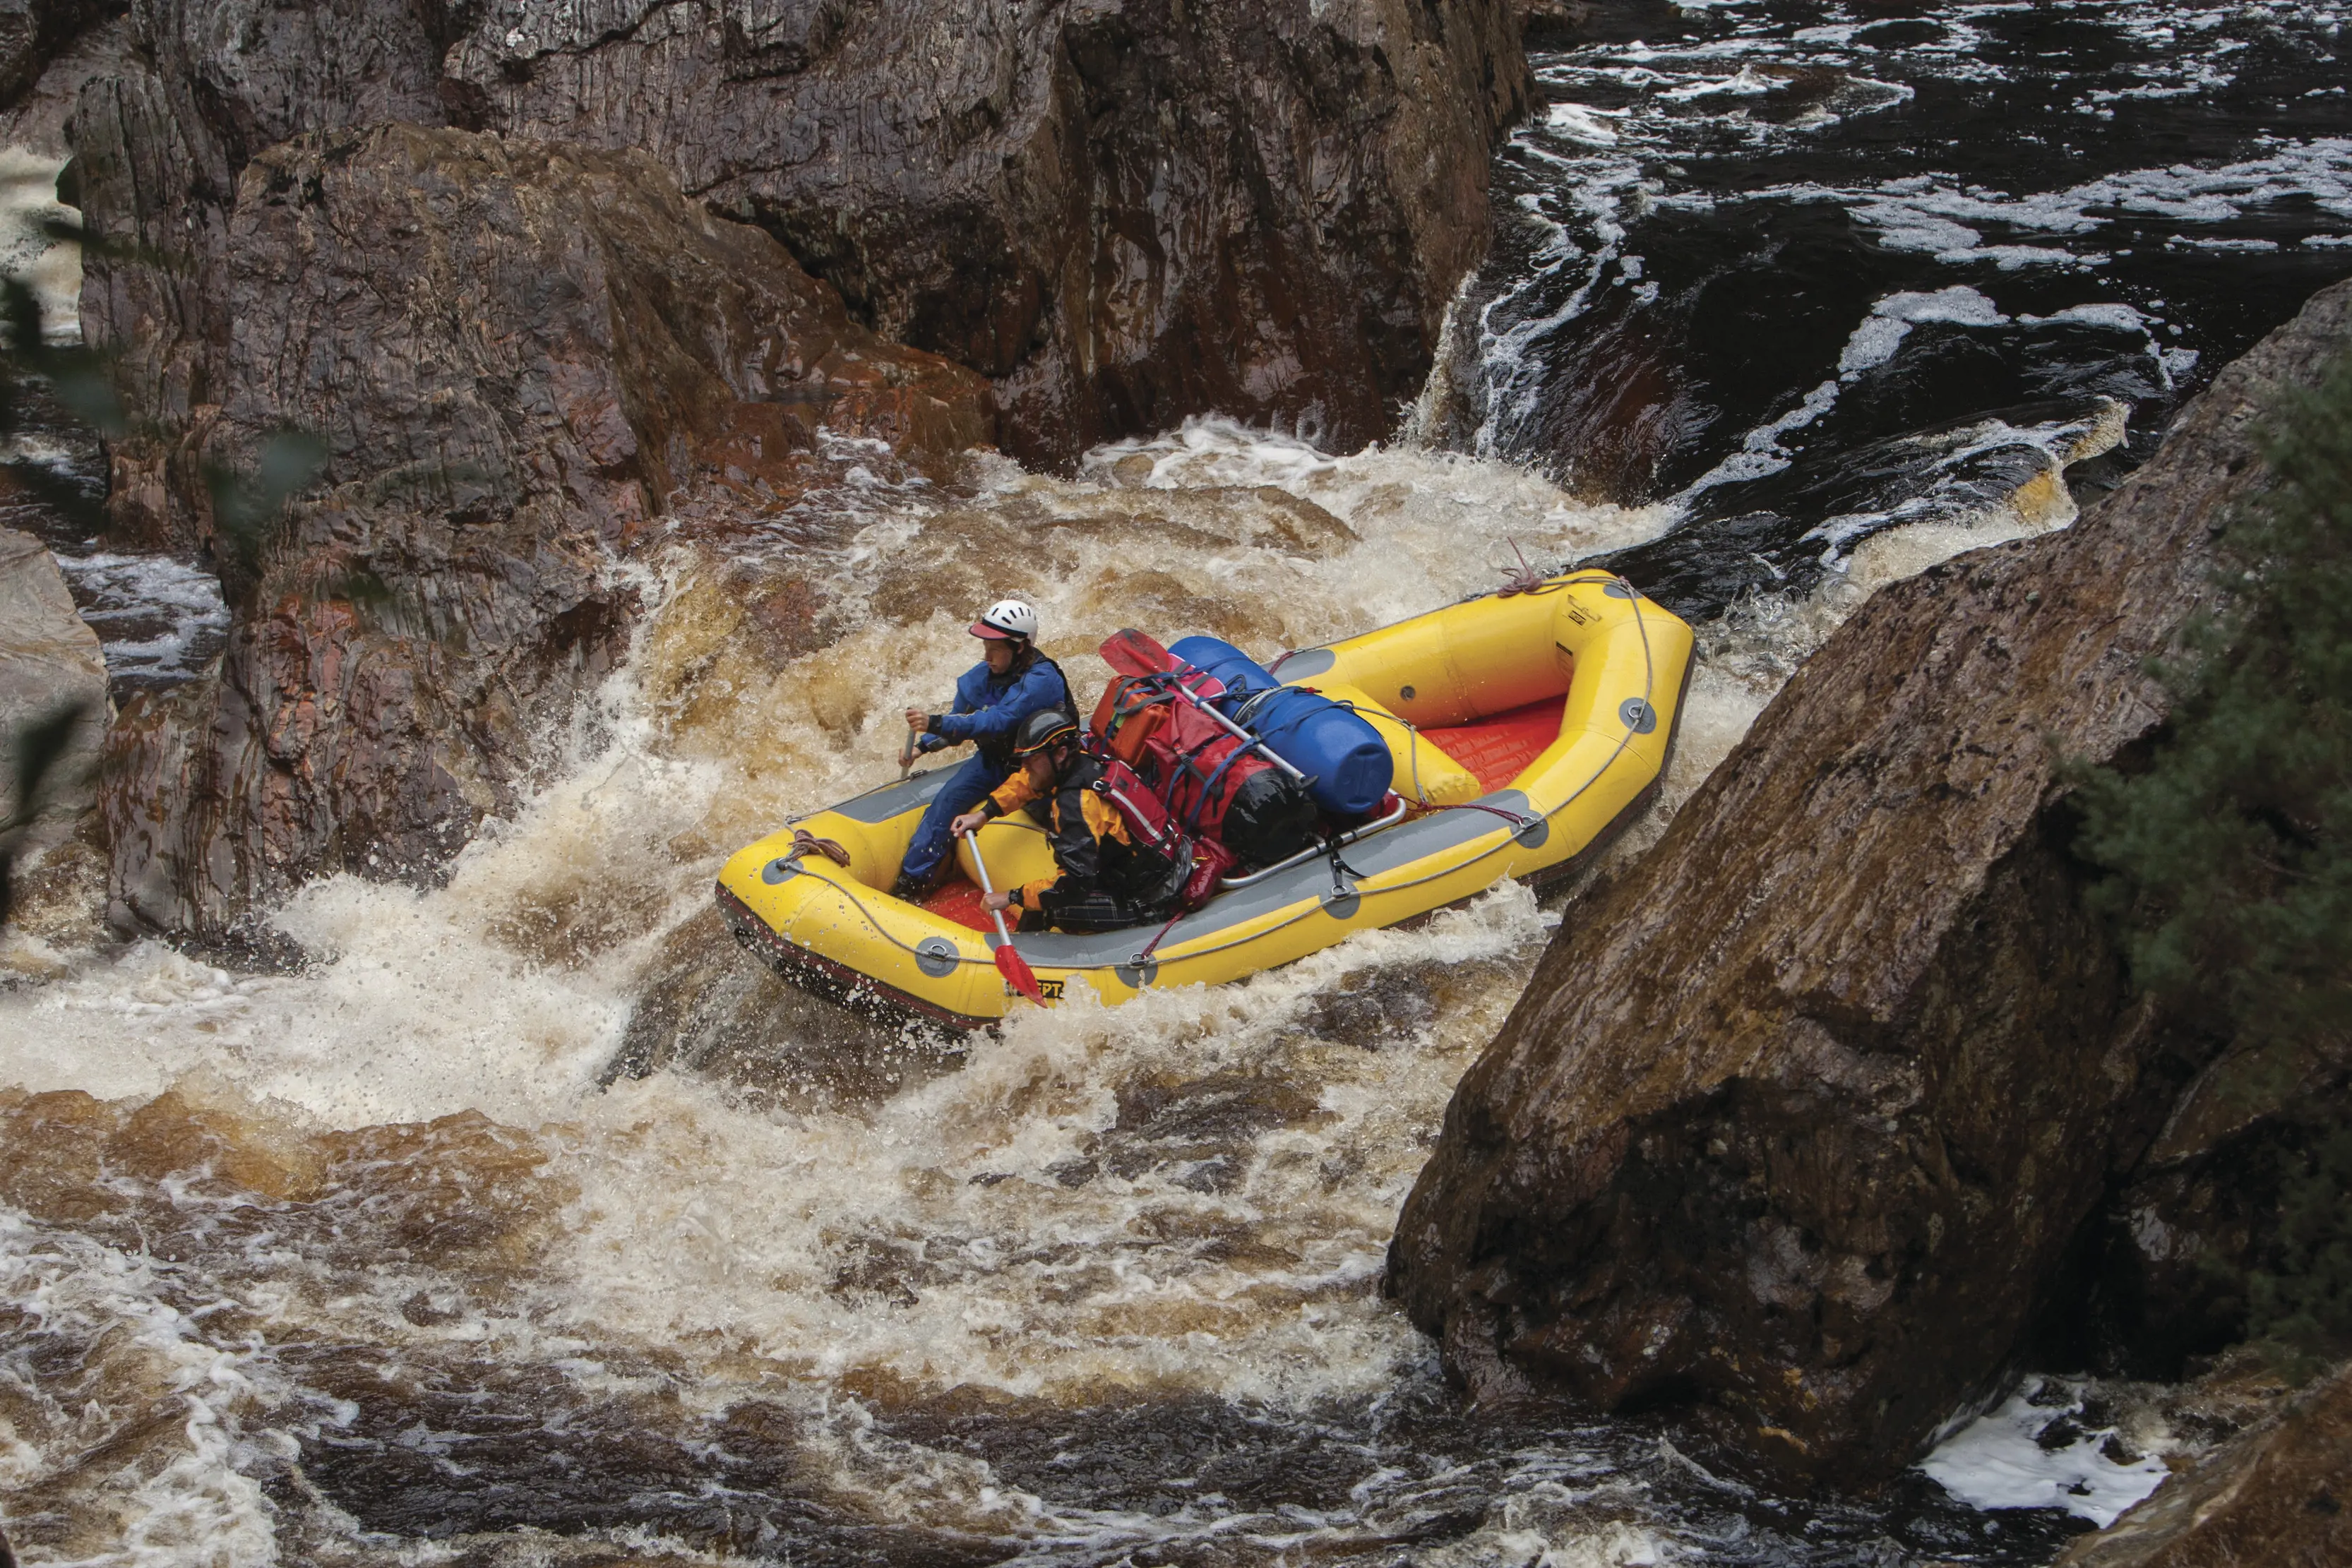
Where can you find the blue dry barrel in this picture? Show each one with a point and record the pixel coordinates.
(1347, 763)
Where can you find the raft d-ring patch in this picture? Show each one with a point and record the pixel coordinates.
(1140, 970)
(776, 871)
(1638, 715)
(935, 956)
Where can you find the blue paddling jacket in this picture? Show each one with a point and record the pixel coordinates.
(989, 707)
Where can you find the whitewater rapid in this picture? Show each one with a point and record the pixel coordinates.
(1181, 1204)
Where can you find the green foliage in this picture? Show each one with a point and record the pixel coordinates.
(2234, 889)
(247, 508)
(2305, 1298)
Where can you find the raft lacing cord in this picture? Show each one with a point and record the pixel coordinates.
(1649, 687)
(804, 843)
(1527, 580)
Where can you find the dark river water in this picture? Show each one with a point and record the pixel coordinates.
(1811, 272)
(357, 1263)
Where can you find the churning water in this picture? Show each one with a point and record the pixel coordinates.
(357, 1264)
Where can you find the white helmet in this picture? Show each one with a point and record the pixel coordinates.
(1006, 618)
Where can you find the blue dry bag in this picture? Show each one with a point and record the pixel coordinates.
(1347, 763)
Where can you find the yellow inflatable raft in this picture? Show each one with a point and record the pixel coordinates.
(1527, 727)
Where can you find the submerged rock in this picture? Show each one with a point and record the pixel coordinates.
(1795, 1126)
(706, 1005)
(512, 357)
(2279, 1494)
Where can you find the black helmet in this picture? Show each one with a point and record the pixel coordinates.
(1045, 727)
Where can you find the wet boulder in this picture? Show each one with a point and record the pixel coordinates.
(2278, 1494)
(53, 716)
(479, 369)
(1124, 213)
(1796, 1127)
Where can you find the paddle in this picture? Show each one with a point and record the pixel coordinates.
(1009, 963)
(1132, 653)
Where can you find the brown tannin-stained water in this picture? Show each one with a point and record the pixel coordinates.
(356, 1262)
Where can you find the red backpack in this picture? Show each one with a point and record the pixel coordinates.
(1200, 861)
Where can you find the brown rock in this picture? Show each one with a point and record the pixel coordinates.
(1795, 1126)
(2279, 1495)
(1125, 213)
(2201, 1208)
(159, 144)
(33, 115)
(707, 1007)
(35, 32)
(515, 355)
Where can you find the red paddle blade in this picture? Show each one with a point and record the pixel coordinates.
(1018, 974)
(1131, 652)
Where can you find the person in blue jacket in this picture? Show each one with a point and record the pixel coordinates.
(991, 699)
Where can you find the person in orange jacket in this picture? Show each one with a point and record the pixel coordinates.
(1103, 877)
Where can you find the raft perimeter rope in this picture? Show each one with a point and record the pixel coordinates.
(1648, 690)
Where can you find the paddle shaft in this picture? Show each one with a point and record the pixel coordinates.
(1009, 960)
(988, 887)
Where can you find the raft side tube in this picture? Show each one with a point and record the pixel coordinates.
(1631, 659)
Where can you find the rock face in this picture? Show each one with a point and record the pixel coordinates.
(35, 32)
(515, 355)
(2279, 1495)
(2201, 1205)
(159, 145)
(1797, 1123)
(1124, 211)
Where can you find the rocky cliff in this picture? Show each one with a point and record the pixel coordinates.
(1123, 210)
(512, 357)
(1799, 1122)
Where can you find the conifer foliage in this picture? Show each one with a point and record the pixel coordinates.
(2234, 846)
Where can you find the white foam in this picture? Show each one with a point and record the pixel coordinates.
(1579, 123)
(1995, 1461)
(122, 591)
(197, 1505)
(2114, 317)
